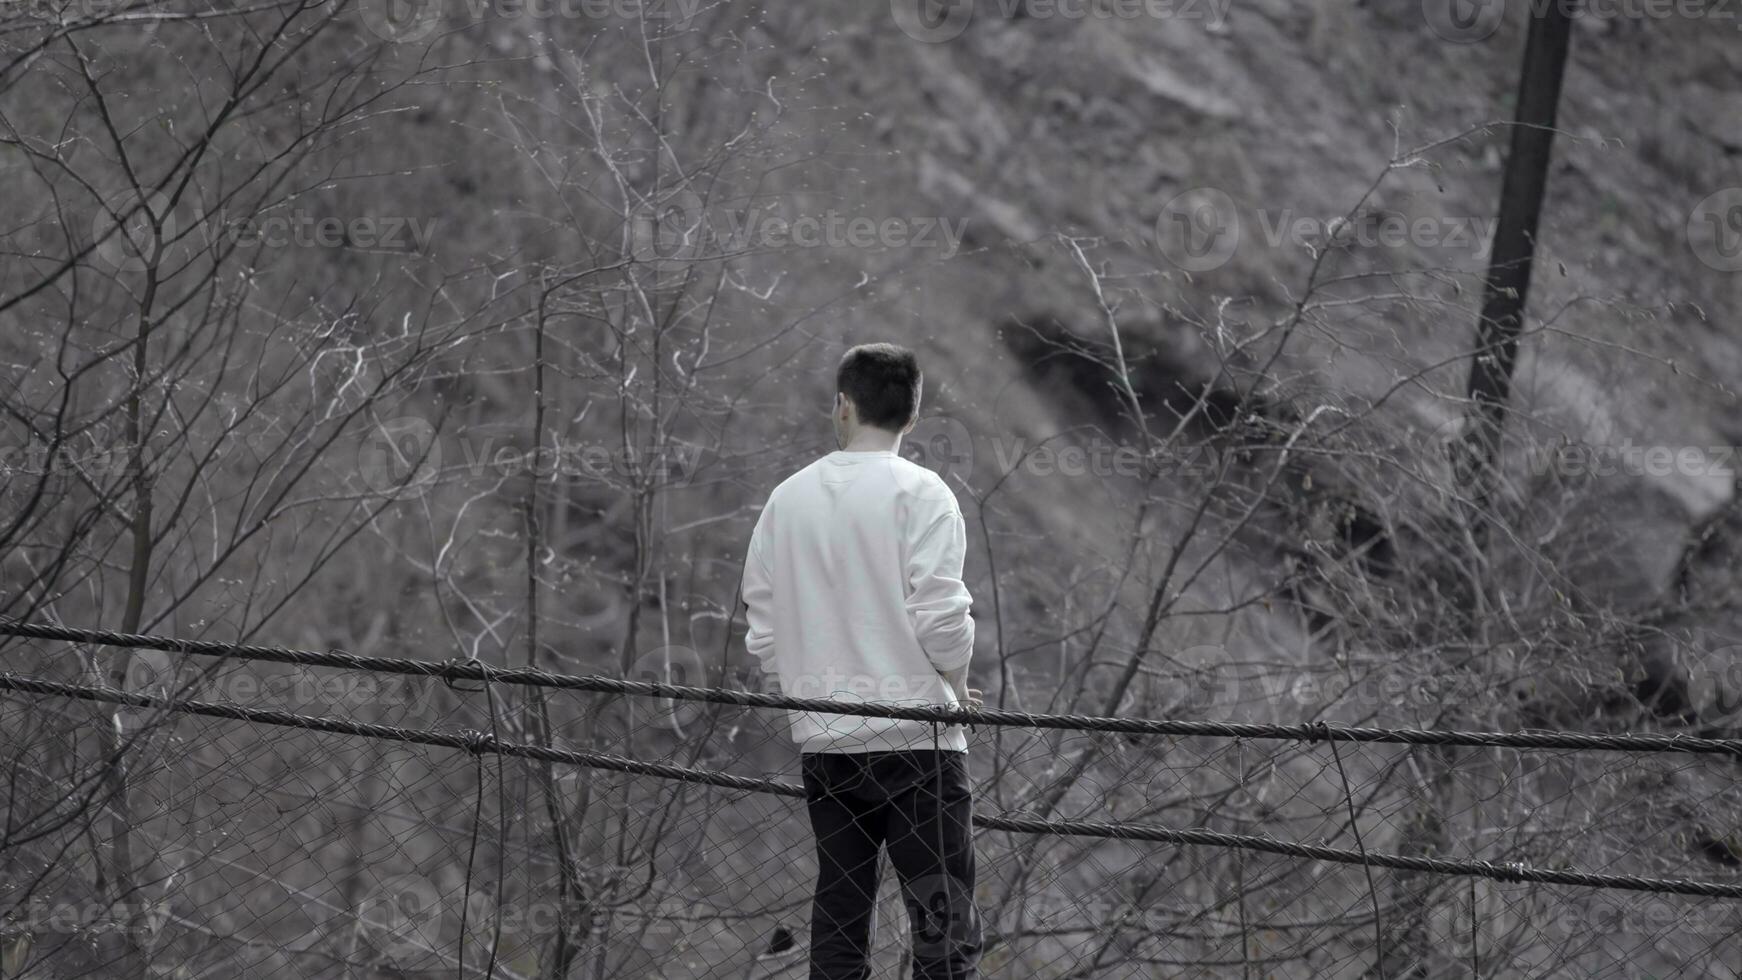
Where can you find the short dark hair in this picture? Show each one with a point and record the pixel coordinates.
(883, 380)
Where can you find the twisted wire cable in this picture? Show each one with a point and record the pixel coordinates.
(480, 742)
(463, 670)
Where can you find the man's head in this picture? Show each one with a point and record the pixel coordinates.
(876, 387)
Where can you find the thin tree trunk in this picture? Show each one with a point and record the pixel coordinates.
(127, 888)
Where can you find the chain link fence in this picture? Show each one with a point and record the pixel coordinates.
(422, 831)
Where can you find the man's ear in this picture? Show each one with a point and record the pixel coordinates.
(910, 424)
(842, 405)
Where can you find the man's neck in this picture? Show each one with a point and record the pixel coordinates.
(872, 441)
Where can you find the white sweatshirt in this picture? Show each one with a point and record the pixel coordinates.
(854, 586)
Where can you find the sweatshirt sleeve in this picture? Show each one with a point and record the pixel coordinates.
(758, 592)
(937, 599)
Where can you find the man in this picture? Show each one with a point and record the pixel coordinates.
(854, 586)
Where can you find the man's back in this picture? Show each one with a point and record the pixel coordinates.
(854, 588)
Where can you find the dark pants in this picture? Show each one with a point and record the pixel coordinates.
(918, 804)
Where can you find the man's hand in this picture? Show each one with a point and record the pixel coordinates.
(958, 683)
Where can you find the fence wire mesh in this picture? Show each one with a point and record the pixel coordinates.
(257, 847)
